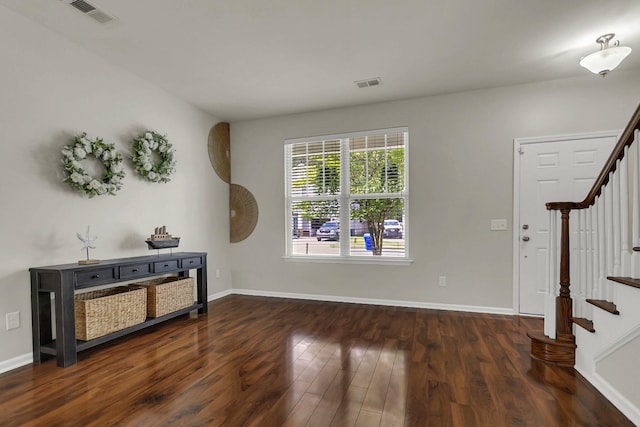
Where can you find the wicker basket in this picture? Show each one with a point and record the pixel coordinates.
(105, 311)
(167, 294)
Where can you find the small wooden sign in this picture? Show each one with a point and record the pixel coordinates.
(88, 261)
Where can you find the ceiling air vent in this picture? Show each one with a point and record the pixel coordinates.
(91, 11)
(376, 81)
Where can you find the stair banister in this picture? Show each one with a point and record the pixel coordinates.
(561, 350)
(626, 139)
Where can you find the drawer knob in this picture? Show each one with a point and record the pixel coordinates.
(95, 276)
(190, 262)
(135, 270)
(166, 265)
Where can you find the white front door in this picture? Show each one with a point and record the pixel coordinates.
(556, 169)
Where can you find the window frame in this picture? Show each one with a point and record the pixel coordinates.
(345, 198)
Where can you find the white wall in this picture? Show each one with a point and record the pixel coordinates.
(625, 381)
(51, 90)
(461, 173)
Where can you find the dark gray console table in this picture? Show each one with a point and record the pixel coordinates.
(63, 280)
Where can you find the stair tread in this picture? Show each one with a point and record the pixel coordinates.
(630, 281)
(584, 323)
(605, 305)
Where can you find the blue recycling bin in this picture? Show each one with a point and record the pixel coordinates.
(368, 243)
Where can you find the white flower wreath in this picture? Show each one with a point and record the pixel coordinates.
(143, 148)
(79, 179)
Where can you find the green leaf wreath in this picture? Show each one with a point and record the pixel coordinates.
(77, 176)
(143, 148)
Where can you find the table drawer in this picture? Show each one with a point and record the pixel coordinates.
(162, 266)
(88, 278)
(192, 262)
(131, 271)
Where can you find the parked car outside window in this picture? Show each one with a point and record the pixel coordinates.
(329, 230)
(392, 228)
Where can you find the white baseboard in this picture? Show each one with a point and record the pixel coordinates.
(16, 362)
(618, 400)
(374, 301)
(219, 295)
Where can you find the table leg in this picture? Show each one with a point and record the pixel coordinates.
(36, 307)
(202, 287)
(66, 350)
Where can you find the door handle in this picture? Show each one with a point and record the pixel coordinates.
(525, 238)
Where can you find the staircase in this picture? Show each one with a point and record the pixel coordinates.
(593, 280)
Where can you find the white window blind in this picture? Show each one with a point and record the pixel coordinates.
(347, 195)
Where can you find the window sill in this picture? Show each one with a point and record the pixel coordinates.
(350, 260)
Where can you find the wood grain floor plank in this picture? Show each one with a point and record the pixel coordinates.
(254, 361)
(366, 368)
(394, 411)
(368, 419)
(332, 399)
(349, 409)
(378, 388)
(279, 412)
(302, 411)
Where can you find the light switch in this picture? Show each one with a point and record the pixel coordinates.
(498, 224)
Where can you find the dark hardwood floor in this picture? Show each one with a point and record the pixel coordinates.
(256, 361)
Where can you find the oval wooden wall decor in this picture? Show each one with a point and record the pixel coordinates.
(220, 151)
(243, 213)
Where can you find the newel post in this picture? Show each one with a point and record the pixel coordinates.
(564, 305)
(560, 351)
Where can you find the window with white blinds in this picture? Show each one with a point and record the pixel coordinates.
(347, 195)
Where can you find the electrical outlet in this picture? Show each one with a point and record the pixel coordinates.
(442, 281)
(13, 320)
(217, 273)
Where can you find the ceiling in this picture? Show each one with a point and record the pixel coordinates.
(245, 59)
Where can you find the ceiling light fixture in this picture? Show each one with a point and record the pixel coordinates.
(607, 58)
